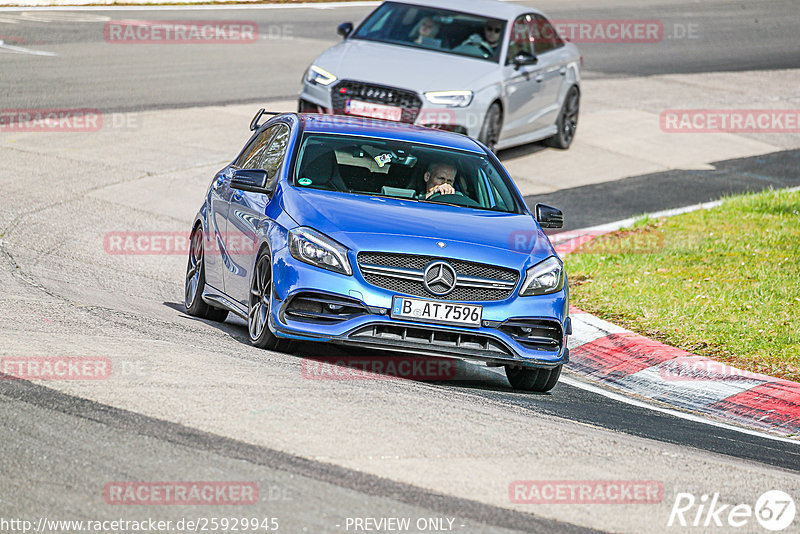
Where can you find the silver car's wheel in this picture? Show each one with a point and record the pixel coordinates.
(492, 124)
(567, 122)
(196, 282)
(260, 304)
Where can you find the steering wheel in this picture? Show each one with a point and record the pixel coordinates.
(457, 198)
(438, 194)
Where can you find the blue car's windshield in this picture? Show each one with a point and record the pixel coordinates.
(435, 29)
(370, 166)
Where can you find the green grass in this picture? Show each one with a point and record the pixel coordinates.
(723, 283)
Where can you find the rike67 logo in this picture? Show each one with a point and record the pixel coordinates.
(774, 510)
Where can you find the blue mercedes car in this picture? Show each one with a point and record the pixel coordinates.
(369, 233)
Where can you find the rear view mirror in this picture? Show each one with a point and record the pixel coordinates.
(549, 217)
(254, 180)
(345, 29)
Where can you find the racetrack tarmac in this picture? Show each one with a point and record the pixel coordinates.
(192, 400)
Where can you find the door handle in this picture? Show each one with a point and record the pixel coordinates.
(563, 71)
(539, 78)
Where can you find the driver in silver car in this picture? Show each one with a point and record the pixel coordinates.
(485, 44)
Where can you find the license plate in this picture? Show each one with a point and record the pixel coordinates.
(433, 311)
(375, 111)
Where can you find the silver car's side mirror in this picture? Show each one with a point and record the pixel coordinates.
(345, 29)
(523, 59)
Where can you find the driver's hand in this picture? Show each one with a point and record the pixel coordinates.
(442, 189)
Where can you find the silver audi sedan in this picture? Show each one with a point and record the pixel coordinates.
(496, 71)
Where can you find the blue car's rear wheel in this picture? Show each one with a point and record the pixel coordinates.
(531, 379)
(196, 282)
(260, 303)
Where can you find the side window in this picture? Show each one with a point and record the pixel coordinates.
(545, 36)
(521, 39)
(272, 158)
(246, 159)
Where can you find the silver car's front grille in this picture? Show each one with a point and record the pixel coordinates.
(376, 94)
(404, 273)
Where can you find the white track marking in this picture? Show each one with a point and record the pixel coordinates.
(689, 417)
(681, 415)
(587, 328)
(45, 16)
(21, 50)
(654, 382)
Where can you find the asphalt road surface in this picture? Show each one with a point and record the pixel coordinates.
(204, 405)
(710, 36)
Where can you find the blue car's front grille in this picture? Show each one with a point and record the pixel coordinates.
(403, 273)
(376, 94)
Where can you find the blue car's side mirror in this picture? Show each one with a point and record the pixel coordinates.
(549, 217)
(254, 180)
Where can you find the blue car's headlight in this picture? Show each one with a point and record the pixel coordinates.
(315, 248)
(319, 76)
(543, 278)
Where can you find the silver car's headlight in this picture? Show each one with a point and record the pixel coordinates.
(453, 99)
(319, 76)
(543, 278)
(315, 248)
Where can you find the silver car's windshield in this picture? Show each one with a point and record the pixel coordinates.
(436, 29)
(390, 168)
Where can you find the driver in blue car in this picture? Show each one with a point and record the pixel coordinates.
(439, 178)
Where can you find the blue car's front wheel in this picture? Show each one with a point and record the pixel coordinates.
(532, 379)
(260, 304)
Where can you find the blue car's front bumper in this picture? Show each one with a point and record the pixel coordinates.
(373, 326)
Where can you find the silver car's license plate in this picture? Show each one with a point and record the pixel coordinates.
(438, 312)
(376, 111)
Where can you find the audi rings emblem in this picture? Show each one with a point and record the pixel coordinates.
(440, 278)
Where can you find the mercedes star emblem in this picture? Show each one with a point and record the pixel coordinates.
(440, 278)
